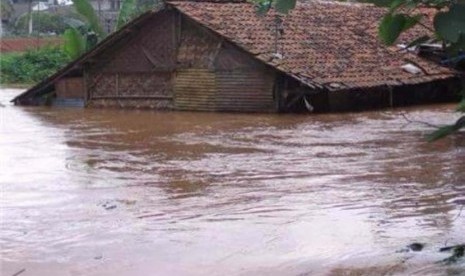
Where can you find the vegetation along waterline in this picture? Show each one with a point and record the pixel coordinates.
(31, 66)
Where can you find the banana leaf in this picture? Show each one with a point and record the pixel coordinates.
(75, 44)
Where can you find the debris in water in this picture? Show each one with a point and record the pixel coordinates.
(108, 206)
(126, 201)
(458, 251)
(416, 246)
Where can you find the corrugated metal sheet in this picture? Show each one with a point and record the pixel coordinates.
(195, 89)
(205, 90)
(246, 91)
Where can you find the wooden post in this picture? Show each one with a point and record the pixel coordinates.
(86, 85)
(117, 84)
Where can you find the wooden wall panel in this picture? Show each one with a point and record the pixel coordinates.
(231, 58)
(197, 46)
(70, 88)
(151, 48)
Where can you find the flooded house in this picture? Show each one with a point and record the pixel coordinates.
(222, 56)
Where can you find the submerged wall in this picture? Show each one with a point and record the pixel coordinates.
(382, 97)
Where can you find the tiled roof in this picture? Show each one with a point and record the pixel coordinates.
(323, 44)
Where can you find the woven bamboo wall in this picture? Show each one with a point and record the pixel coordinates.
(70, 88)
(197, 46)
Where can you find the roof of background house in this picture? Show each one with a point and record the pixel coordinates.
(324, 44)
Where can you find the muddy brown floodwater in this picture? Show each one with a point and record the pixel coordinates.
(128, 192)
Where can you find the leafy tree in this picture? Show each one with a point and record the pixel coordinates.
(44, 22)
(6, 9)
(401, 15)
(80, 38)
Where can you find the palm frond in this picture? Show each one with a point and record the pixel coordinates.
(84, 8)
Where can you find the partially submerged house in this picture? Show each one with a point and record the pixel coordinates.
(222, 56)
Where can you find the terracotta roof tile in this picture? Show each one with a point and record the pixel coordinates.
(321, 42)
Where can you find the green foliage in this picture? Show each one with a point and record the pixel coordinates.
(393, 24)
(450, 25)
(31, 66)
(82, 37)
(126, 13)
(6, 9)
(282, 6)
(262, 6)
(44, 22)
(75, 43)
(461, 107)
(391, 27)
(145, 5)
(84, 8)
(447, 130)
(449, 28)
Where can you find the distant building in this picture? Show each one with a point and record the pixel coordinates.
(107, 11)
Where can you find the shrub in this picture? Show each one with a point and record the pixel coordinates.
(31, 66)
